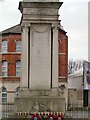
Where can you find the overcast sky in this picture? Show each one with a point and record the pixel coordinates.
(74, 19)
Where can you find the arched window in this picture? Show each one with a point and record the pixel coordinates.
(4, 68)
(18, 46)
(4, 46)
(17, 91)
(18, 68)
(4, 94)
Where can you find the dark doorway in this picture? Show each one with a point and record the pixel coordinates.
(85, 98)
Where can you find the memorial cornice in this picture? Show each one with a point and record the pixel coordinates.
(55, 5)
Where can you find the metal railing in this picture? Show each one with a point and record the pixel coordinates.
(77, 111)
(72, 110)
(6, 109)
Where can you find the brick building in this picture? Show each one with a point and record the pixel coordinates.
(62, 55)
(10, 61)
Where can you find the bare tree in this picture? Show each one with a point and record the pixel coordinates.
(74, 65)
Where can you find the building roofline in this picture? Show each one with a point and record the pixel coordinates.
(16, 29)
(62, 30)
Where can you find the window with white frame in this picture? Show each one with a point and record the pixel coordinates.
(18, 46)
(4, 68)
(4, 95)
(18, 68)
(4, 46)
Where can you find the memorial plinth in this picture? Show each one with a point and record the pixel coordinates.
(39, 90)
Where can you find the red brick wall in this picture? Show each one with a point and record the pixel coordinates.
(12, 42)
(62, 56)
(11, 56)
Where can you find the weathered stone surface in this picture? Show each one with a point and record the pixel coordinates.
(40, 104)
(40, 101)
(40, 11)
(43, 11)
(40, 18)
(39, 81)
(40, 56)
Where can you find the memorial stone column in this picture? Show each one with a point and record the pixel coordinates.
(39, 79)
(24, 57)
(55, 57)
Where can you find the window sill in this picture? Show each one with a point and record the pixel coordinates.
(9, 77)
(10, 53)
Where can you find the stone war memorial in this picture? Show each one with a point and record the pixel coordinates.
(39, 79)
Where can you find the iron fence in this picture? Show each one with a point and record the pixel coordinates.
(72, 110)
(6, 110)
(77, 111)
